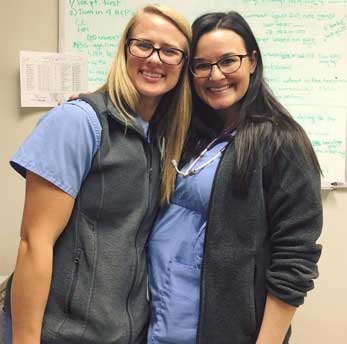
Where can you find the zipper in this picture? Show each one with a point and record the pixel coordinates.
(74, 279)
(148, 152)
(202, 291)
(150, 172)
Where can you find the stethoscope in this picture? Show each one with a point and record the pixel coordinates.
(192, 169)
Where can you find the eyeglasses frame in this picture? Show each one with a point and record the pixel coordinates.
(154, 49)
(241, 56)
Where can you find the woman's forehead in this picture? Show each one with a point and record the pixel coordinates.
(219, 42)
(158, 29)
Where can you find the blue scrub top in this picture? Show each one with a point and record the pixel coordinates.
(175, 252)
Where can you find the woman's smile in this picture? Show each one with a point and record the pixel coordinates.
(152, 76)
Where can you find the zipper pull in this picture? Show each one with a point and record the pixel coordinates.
(78, 255)
(150, 174)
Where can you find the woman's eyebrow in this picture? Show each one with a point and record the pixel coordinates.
(164, 44)
(203, 59)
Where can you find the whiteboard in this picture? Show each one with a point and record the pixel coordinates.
(303, 43)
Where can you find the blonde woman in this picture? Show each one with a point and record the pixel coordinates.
(92, 169)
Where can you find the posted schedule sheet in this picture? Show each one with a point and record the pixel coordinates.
(49, 78)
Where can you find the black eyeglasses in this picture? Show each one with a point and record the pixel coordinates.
(144, 49)
(227, 65)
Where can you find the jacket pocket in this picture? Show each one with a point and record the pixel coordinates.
(74, 281)
(66, 316)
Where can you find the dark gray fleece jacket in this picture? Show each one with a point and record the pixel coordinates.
(259, 243)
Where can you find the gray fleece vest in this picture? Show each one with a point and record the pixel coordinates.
(99, 283)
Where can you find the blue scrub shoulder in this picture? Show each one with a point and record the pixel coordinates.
(62, 146)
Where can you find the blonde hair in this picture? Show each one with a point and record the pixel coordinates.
(174, 110)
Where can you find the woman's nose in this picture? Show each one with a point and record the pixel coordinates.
(154, 57)
(216, 73)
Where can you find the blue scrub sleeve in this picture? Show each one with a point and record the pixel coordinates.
(62, 146)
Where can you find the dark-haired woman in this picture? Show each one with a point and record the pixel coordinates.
(234, 253)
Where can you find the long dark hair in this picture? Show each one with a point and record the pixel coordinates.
(261, 117)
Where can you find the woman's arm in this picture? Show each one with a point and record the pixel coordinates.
(276, 321)
(47, 210)
(295, 223)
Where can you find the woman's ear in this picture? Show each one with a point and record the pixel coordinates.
(253, 58)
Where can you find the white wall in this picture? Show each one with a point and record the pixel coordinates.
(323, 317)
(32, 25)
(24, 25)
